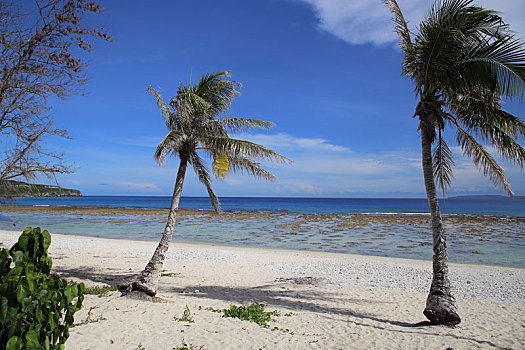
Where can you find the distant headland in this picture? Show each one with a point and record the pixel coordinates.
(10, 189)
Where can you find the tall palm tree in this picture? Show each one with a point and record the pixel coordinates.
(191, 118)
(463, 60)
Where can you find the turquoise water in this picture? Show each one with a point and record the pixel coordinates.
(398, 228)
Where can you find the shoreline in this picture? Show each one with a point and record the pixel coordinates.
(459, 273)
(334, 299)
(269, 249)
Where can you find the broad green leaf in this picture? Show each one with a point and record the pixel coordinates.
(23, 240)
(46, 240)
(21, 292)
(3, 310)
(14, 343)
(32, 340)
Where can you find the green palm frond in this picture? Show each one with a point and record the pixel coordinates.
(236, 125)
(170, 145)
(251, 168)
(443, 164)
(217, 91)
(242, 149)
(204, 177)
(482, 159)
(481, 109)
(500, 62)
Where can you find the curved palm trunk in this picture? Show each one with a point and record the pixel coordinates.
(149, 277)
(441, 305)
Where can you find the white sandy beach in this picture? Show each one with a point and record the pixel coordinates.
(337, 301)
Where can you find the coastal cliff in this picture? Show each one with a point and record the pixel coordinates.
(9, 188)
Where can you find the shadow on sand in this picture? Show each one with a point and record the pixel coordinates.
(278, 295)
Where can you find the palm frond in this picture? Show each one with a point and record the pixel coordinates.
(167, 113)
(217, 91)
(499, 63)
(443, 164)
(482, 116)
(236, 125)
(480, 109)
(204, 177)
(241, 149)
(251, 168)
(400, 24)
(170, 144)
(221, 165)
(482, 159)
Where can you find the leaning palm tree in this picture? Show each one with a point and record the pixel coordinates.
(463, 60)
(192, 120)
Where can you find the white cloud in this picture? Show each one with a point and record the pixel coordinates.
(284, 141)
(369, 21)
(297, 188)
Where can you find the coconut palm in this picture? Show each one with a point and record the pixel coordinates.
(192, 120)
(463, 60)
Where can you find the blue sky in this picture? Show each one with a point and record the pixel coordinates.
(327, 72)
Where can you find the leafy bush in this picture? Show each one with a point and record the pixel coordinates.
(36, 310)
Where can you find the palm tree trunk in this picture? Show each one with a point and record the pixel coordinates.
(441, 305)
(149, 277)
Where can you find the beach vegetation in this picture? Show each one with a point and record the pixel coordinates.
(89, 319)
(464, 61)
(164, 273)
(195, 129)
(186, 316)
(100, 290)
(253, 313)
(40, 59)
(188, 346)
(36, 308)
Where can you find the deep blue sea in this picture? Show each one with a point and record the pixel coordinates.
(483, 205)
(487, 230)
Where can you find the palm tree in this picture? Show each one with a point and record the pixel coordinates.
(193, 126)
(463, 60)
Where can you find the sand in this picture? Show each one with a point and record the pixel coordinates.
(336, 301)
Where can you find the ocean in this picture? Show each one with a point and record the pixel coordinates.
(488, 230)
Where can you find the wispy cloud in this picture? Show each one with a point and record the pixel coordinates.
(285, 142)
(369, 21)
(139, 186)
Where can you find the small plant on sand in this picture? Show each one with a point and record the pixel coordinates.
(186, 316)
(253, 313)
(186, 346)
(89, 319)
(164, 273)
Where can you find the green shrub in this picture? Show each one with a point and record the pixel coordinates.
(36, 310)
